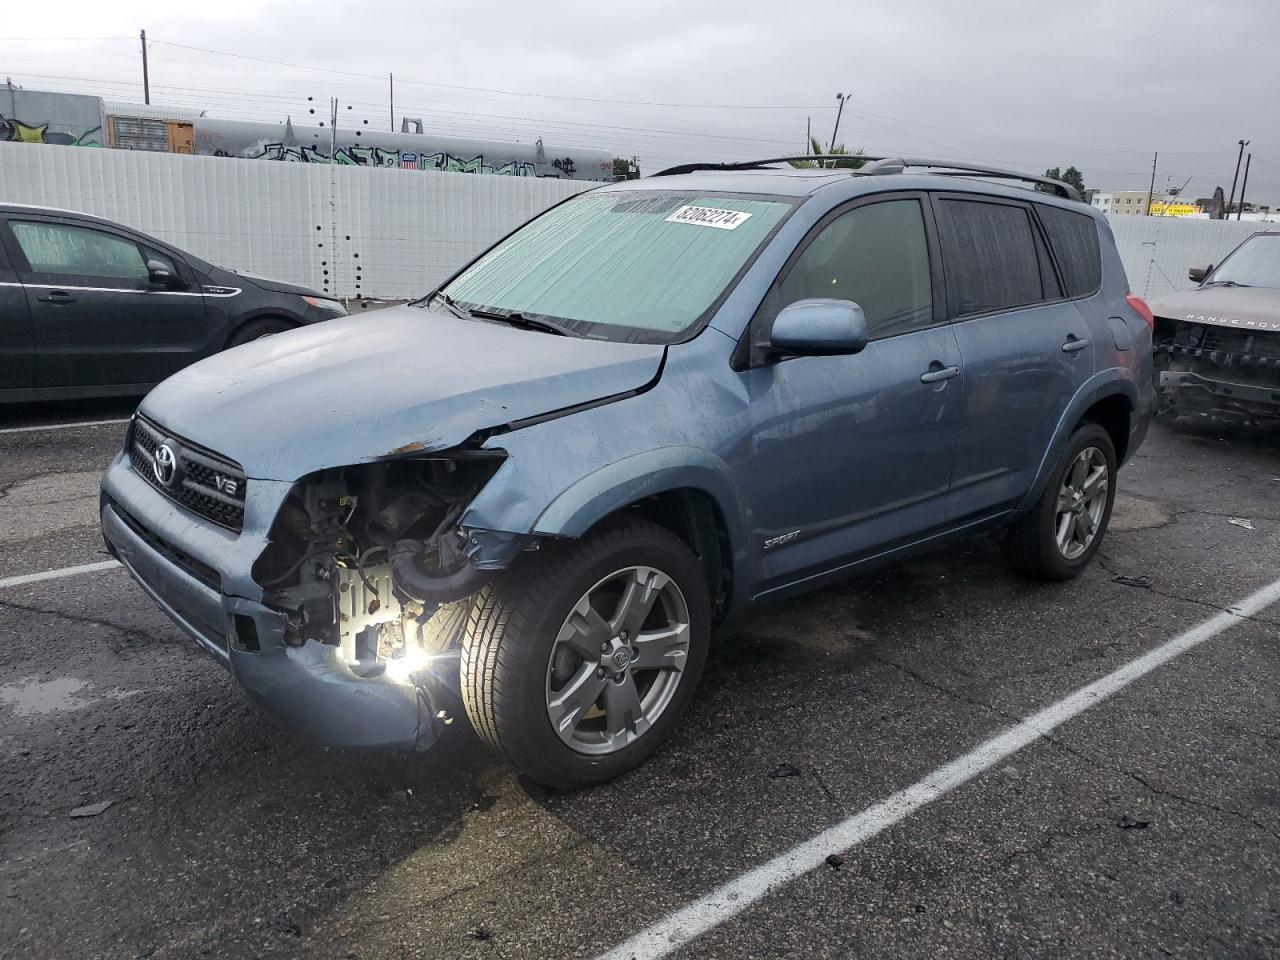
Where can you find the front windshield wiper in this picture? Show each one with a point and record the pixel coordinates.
(1225, 283)
(517, 319)
(454, 307)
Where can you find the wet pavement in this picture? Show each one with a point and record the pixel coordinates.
(1148, 826)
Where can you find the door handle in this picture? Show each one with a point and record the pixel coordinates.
(57, 296)
(1075, 344)
(937, 372)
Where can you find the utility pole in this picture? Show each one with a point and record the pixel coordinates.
(333, 127)
(1152, 188)
(832, 145)
(391, 80)
(808, 134)
(1243, 184)
(1239, 157)
(146, 80)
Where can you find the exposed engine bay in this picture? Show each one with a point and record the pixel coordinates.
(370, 559)
(1229, 372)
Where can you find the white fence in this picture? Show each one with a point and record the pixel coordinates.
(346, 230)
(356, 231)
(1158, 250)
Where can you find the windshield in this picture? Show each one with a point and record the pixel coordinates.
(1256, 263)
(629, 265)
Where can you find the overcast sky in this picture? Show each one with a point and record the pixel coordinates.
(1023, 83)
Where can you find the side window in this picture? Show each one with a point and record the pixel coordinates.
(875, 255)
(78, 251)
(1074, 238)
(990, 255)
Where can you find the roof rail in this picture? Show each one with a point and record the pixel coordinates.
(880, 166)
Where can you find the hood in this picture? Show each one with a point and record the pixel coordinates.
(279, 286)
(1253, 308)
(367, 387)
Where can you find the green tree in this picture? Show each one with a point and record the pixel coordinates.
(834, 149)
(1070, 176)
(624, 169)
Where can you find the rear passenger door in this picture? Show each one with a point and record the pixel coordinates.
(1026, 348)
(97, 319)
(17, 350)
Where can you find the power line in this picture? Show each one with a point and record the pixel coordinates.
(509, 93)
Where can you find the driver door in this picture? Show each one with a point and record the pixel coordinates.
(852, 455)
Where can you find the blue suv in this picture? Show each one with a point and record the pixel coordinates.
(532, 496)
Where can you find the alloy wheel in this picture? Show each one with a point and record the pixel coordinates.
(1082, 500)
(617, 660)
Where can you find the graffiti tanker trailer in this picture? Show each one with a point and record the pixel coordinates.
(33, 116)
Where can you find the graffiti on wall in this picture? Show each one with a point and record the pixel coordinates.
(13, 130)
(396, 159)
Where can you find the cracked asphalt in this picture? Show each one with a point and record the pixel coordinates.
(1149, 826)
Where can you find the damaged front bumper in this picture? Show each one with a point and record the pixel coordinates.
(192, 571)
(1188, 387)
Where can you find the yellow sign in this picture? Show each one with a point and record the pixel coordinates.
(1175, 209)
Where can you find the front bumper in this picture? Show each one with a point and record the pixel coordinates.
(1197, 390)
(188, 568)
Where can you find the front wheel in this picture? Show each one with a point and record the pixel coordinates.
(256, 330)
(1062, 532)
(580, 662)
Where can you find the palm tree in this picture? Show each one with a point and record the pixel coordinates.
(835, 149)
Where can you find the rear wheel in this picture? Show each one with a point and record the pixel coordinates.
(257, 329)
(1062, 532)
(580, 663)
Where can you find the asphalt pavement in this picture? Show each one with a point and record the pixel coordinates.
(1148, 825)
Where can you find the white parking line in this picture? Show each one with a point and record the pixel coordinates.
(61, 426)
(58, 574)
(673, 931)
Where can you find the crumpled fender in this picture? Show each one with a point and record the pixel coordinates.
(504, 505)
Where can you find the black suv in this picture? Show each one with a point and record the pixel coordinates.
(90, 308)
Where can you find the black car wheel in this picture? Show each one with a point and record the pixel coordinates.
(257, 329)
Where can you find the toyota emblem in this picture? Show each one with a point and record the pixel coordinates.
(165, 465)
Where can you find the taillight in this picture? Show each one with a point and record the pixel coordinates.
(1140, 307)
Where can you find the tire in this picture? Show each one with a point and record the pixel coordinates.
(517, 667)
(1032, 545)
(256, 330)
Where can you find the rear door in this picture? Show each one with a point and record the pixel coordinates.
(1026, 348)
(17, 349)
(96, 317)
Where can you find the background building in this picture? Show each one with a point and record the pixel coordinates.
(1133, 203)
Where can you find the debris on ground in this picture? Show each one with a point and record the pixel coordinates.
(1132, 580)
(1241, 522)
(480, 934)
(835, 860)
(1129, 823)
(91, 809)
(282, 924)
(785, 770)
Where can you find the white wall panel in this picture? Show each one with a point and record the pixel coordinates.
(377, 232)
(1157, 251)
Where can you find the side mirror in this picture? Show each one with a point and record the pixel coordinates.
(1197, 274)
(819, 328)
(157, 272)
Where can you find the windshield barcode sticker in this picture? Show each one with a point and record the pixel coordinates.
(709, 217)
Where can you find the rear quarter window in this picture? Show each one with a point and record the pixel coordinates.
(1074, 238)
